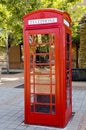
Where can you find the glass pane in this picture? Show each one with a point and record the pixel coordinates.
(31, 79)
(31, 69)
(68, 83)
(42, 79)
(53, 99)
(68, 65)
(31, 50)
(32, 59)
(32, 88)
(68, 102)
(68, 47)
(67, 37)
(42, 58)
(67, 56)
(41, 38)
(32, 107)
(32, 98)
(68, 75)
(53, 109)
(53, 38)
(43, 98)
(53, 69)
(30, 39)
(53, 89)
(45, 89)
(53, 79)
(42, 108)
(42, 69)
(68, 93)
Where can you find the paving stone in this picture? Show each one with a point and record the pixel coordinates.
(12, 107)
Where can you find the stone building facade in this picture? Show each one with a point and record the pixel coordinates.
(82, 51)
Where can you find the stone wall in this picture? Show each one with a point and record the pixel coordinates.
(82, 52)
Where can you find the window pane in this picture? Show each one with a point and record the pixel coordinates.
(53, 109)
(32, 88)
(43, 108)
(31, 79)
(45, 89)
(53, 79)
(53, 89)
(42, 69)
(32, 98)
(32, 107)
(43, 98)
(53, 99)
(67, 37)
(41, 38)
(42, 79)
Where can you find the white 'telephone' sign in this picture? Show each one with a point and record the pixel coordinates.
(66, 23)
(42, 21)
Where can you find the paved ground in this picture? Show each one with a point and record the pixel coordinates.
(11, 105)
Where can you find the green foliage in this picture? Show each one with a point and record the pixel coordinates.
(12, 11)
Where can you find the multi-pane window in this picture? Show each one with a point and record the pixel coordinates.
(68, 71)
(42, 73)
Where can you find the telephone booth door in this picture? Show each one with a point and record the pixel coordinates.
(42, 94)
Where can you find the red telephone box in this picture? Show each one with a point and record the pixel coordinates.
(47, 66)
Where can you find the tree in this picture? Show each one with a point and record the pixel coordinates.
(17, 8)
(4, 16)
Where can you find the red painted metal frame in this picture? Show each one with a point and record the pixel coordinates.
(63, 113)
